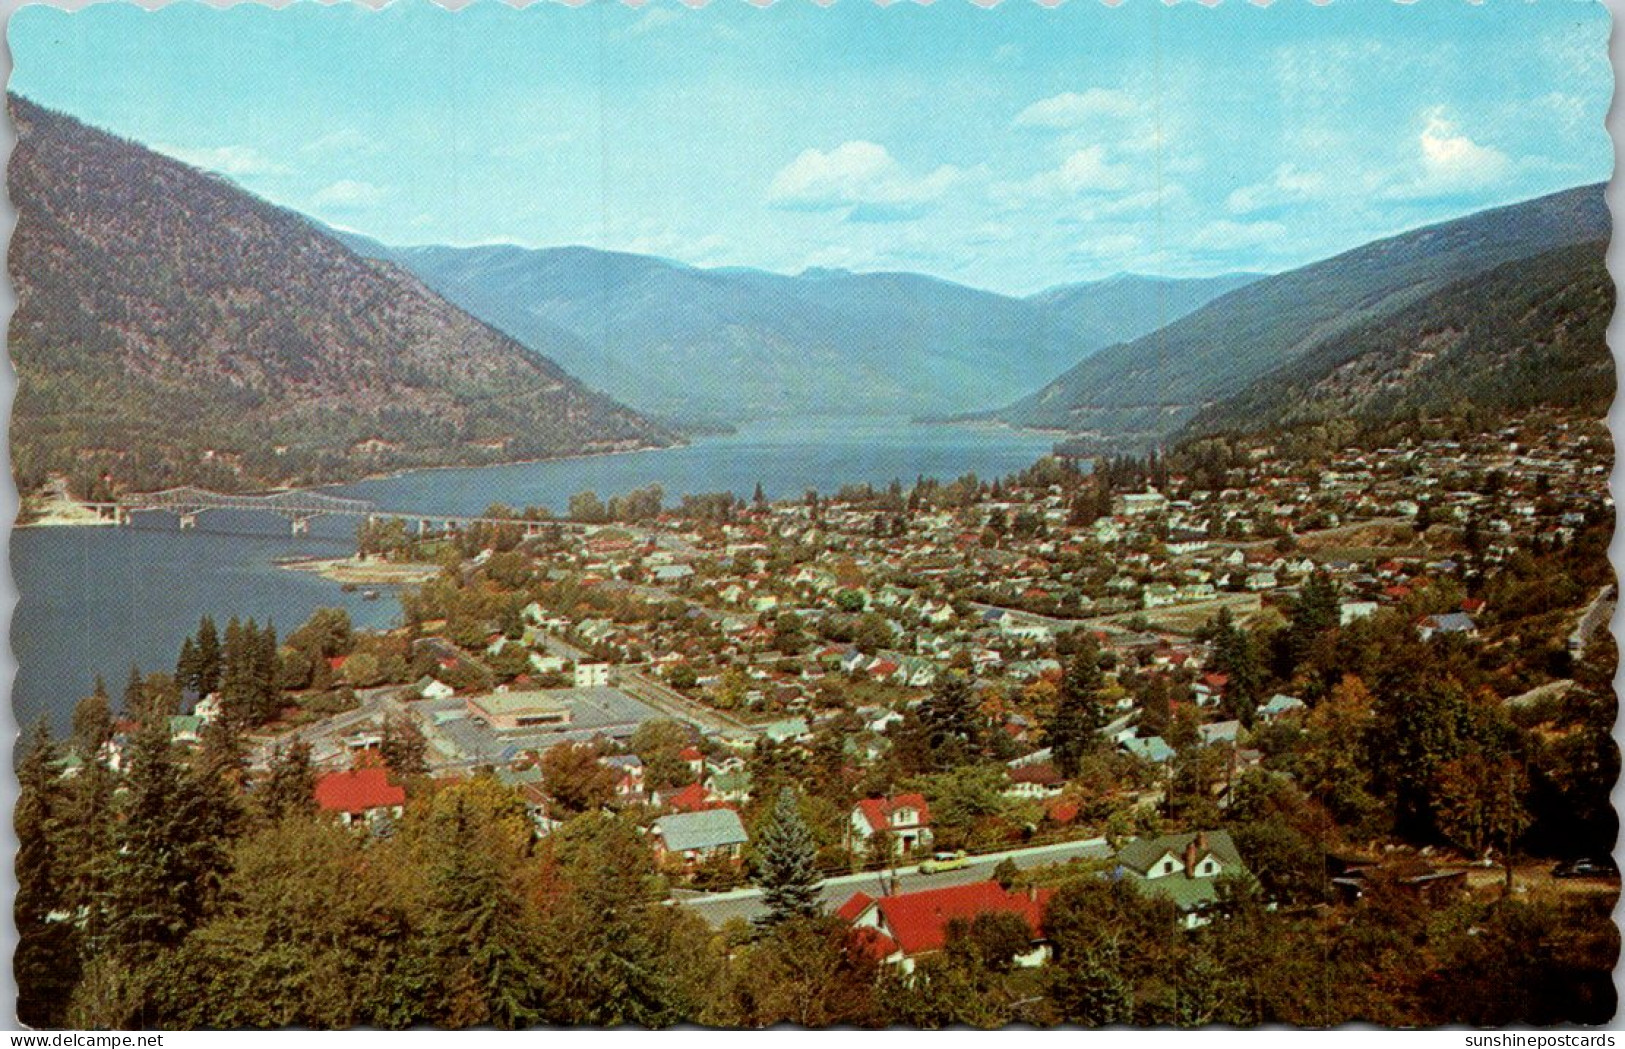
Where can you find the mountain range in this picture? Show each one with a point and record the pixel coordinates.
(732, 344)
(1146, 389)
(1529, 332)
(170, 326)
(173, 327)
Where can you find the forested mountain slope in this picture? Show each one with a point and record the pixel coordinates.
(171, 327)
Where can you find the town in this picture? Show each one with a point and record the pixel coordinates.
(1251, 699)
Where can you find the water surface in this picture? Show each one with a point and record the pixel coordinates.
(94, 600)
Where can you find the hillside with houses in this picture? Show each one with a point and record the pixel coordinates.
(1246, 704)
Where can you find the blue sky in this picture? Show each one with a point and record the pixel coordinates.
(1013, 148)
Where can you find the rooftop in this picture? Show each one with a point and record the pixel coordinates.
(710, 829)
(357, 791)
(509, 703)
(919, 921)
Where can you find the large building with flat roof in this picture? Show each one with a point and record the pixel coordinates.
(521, 711)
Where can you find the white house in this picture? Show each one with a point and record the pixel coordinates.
(906, 817)
(592, 675)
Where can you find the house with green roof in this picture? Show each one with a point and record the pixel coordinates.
(185, 728)
(1185, 868)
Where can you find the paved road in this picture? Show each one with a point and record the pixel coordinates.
(718, 908)
(326, 736)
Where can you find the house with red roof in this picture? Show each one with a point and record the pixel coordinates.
(360, 795)
(905, 817)
(1039, 780)
(692, 798)
(911, 925)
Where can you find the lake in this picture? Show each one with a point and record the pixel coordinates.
(95, 600)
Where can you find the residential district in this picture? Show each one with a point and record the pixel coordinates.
(1301, 731)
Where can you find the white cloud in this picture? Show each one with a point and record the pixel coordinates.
(235, 161)
(1108, 246)
(1448, 161)
(1087, 171)
(857, 175)
(1451, 158)
(1073, 109)
(1289, 184)
(348, 193)
(1170, 196)
(1225, 235)
(991, 233)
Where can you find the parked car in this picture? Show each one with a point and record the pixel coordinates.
(945, 861)
(1590, 867)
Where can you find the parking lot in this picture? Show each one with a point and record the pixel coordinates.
(455, 739)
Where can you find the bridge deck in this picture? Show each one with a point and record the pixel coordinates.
(299, 504)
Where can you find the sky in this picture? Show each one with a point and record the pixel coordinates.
(1013, 148)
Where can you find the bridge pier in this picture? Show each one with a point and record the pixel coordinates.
(301, 525)
(188, 521)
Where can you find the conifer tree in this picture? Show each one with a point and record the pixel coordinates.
(248, 687)
(483, 964)
(403, 747)
(264, 659)
(290, 787)
(187, 669)
(92, 722)
(1313, 613)
(234, 682)
(172, 850)
(134, 697)
(1235, 654)
(46, 963)
(88, 843)
(787, 856)
(208, 657)
(949, 716)
(1078, 710)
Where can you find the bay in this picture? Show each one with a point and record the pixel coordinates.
(95, 600)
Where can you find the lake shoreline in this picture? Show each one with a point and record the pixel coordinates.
(391, 475)
(51, 508)
(358, 571)
(94, 602)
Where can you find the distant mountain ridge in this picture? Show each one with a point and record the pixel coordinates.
(1148, 388)
(172, 327)
(736, 343)
(1530, 332)
(1126, 305)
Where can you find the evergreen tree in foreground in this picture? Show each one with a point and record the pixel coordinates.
(46, 963)
(172, 849)
(290, 788)
(787, 855)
